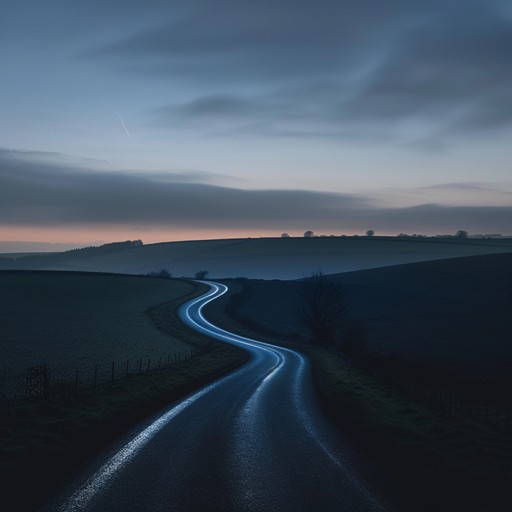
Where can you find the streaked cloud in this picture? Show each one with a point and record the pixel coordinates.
(333, 68)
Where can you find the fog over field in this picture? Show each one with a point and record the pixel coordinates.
(265, 258)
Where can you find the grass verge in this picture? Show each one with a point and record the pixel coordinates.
(44, 441)
(442, 462)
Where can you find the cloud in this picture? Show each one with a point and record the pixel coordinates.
(333, 68)
(40, 194)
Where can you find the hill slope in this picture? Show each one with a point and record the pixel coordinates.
(266, 258)
(455, 312)
(67, 321)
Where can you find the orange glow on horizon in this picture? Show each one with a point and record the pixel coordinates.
(89, 235)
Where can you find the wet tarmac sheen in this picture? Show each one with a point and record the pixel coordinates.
(252, 441)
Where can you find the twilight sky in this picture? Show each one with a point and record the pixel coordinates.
(168, 120)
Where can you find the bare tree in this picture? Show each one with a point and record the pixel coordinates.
(322, 307)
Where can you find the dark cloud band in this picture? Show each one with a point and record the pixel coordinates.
(42, 194)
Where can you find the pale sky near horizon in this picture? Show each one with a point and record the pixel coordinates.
(168, 120)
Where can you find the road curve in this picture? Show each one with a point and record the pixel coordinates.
(251, 441)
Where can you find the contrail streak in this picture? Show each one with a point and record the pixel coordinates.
(124, 126)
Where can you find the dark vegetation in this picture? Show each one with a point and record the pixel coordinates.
(322, 307)
(56, 259)
(42, 441)
(433, 416)
(163, 273)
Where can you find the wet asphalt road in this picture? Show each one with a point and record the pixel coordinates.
(252, 441)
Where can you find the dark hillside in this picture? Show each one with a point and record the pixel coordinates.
(455, 313)
(265, 258)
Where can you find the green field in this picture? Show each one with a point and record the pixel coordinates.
(43, 441)
(454, 313)
(69, 321)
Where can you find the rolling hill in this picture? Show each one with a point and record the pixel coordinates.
(262, 258)
(454, 312)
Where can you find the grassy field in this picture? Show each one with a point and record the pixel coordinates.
(454, 313)
(266, 258)
(69, 321)
(43, 441)
(438, 461)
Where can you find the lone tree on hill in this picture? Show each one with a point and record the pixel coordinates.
(370, 232)
(322, 307)
(309, 234)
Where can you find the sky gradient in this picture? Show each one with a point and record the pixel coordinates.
(171, 120)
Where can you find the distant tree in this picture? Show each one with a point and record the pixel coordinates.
(461, 234)
(309, 234)
(285, 235)
(322, 307)
(201, 274)
(370, 232)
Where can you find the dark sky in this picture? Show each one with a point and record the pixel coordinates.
(208, 118)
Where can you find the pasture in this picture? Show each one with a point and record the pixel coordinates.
(69, 321)
(454, 313)
(260, 258)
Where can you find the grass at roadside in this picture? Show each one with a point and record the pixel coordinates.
(442, 462)
(42, 442)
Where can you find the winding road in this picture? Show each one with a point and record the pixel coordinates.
(252, 441)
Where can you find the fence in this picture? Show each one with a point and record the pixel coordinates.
(44, 381)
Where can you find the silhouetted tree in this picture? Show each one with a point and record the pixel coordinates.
(285, 235)
(461, 234)
(309, 234)
(322, 307)
(201, 274)
(370, 232)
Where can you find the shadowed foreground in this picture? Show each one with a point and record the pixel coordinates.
(252, 441)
